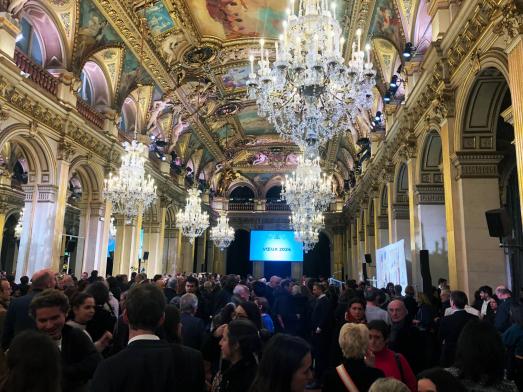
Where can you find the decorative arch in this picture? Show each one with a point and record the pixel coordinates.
(95, 88)
(430, 154)
(241, 182)
(421, 28)
(384, 200)
(91, 176)
(51, 38)
(274, 181)
(36, 151)
(401, 184)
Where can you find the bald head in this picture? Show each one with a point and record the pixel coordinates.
(274, 281)
(397, 310)
(43, 279)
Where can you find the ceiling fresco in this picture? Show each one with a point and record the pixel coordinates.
(202, 112)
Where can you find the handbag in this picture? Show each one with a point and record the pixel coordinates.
(346, 379)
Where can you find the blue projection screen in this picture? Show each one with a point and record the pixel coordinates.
(275, 246)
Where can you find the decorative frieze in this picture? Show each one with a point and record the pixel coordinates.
(47, 193)
(430, 194)
(476, 165)
(400, 211)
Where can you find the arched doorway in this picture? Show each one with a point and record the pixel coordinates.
(317, 262)
(238, 260)
(9, 245)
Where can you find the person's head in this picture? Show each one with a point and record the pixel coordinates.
(458, 299)
(354, 340)
(49, 310)
(139, 278)
(388, 385)
(64, 282)
(480, 353)
(444, 295)
(33, 363)
(94, 273)
(83, 307)
(191, 285)
(442, 282)
(85, 275)
(242, 292)
(24, 280)
(379, 333)
(397, 311)
(43, 279)
(99, 291)
(5, 290)
(286, 284)
(171, 283)
(485, 293)
(240, 340)
(423, 299)
(503, 293)
(248, 311)
(371, 295)
(274, 281)
(189, 303)
(397, 290)
(285, 365)
(172, 325)
(355, 310)
(263, 304)
(409, 291)
(318, 289)
(438, 380)
(144, 307)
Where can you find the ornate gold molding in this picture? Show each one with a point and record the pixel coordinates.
(476, 164)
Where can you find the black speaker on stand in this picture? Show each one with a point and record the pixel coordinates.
(425, 272)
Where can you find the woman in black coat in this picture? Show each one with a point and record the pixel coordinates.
(354, 342)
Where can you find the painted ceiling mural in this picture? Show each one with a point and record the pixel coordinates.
(204, 45)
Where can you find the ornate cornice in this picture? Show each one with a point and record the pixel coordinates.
(430, 194)
(476, 164)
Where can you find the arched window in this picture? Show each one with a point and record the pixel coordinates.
(94, 88)
(128, 116)
(29, 42)
(242, 194)
(86, 88)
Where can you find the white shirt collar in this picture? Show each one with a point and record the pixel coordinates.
(322, 295)
(145, 336)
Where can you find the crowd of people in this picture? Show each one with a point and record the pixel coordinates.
(205, 332)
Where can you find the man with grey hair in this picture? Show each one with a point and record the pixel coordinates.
(404, 337)
(241, 292)
(372, 310)
(193, 328)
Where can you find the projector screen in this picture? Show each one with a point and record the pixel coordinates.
(391, 265)
(275, 246)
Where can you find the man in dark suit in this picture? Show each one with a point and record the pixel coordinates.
(451, 326)
(17, 318)
(502, 318)
(321, 325)
(193, 328)
(79, 355)
(147, 363)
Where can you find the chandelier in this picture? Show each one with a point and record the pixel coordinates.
(191, 220)
(222, 234)
(306, 226)
(130, 193)
(19, 225)
(307, 187)
(309, 94)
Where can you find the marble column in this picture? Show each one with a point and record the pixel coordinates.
(390, 212)
(354, 250)
(187, 255)
(153, 242)
(22, 265)
(414, 225)
(201, 251)
(370, 243)
(94, 224)
(170, 250)
(401, 231)
(515, 68)
(218, 262)
(57, 221)
(127, 243)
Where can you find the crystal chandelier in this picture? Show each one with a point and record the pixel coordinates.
(309, 94)
(191, 220)
(130, 193)
(222, 234)
(307, 226)
(307, 187)
(20, 224)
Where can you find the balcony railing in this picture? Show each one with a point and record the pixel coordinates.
(36, 73)
(248, 206)
(274, 206)
(89, 113)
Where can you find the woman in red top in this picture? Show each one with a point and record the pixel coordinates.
(392, 364)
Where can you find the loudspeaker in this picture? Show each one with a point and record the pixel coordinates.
(368, 258)
(364, 270)
(499, 223)
(425, 272)
(71, 246)
(145, 255)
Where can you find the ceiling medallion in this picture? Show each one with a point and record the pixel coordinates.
(196, 57)
(309, 94)
(228, 109)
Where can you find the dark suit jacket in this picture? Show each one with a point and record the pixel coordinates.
(406, 339)
(151, 365)
(193, 329)
(449, 330)
(322, 315)
(79, 359)
(17, 318)
(502, 319)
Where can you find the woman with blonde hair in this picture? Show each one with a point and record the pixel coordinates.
(388, 385)
(352, 374)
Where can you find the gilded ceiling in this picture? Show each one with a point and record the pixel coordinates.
(187, 68)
